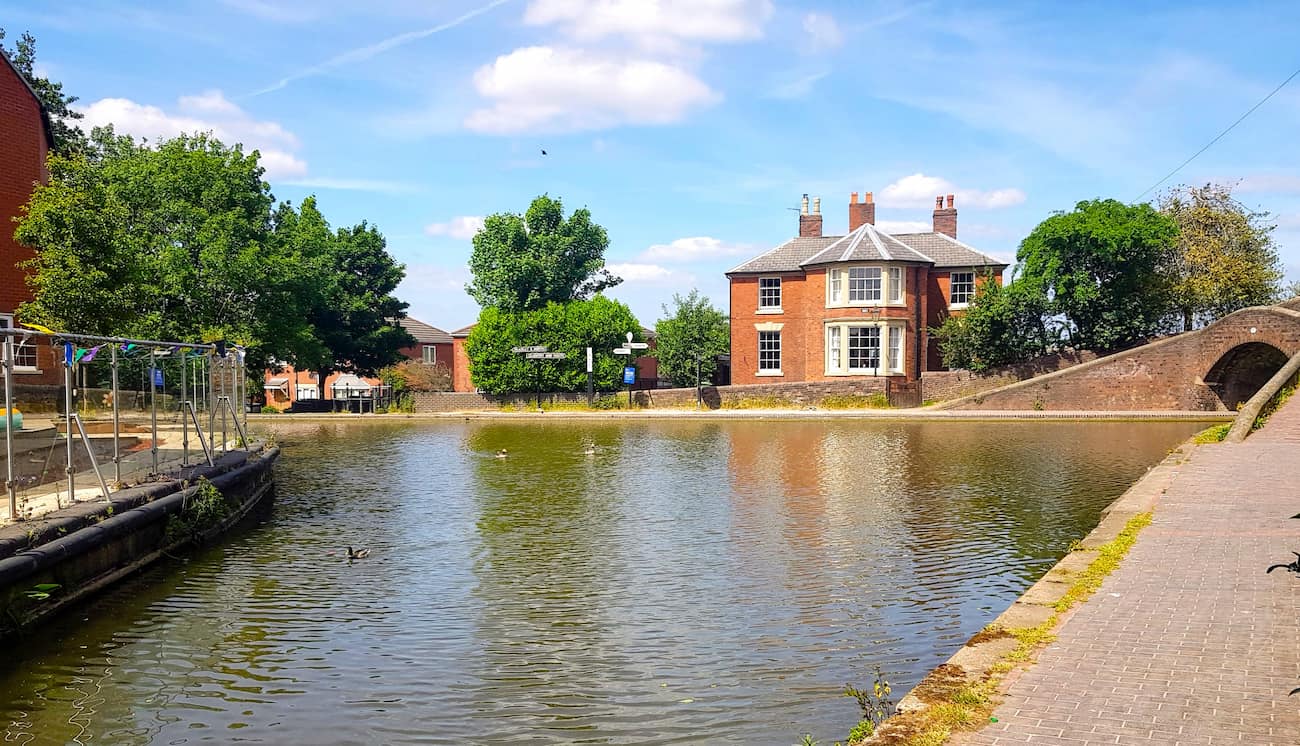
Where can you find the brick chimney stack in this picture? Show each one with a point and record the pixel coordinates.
(945, 218)
(861, 212)
(810, 224)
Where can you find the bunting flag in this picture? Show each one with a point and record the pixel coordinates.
(41, 329)
(81, 352)
(90, 354)
(128, 347)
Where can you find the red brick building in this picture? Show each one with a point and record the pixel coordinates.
(818, 307)
(25, 141)
(432, 345)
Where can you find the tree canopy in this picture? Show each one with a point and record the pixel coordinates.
(1101, 267)
(1224, 258)
(599, 323)
(522, 263)
(1002, 326)
(692, 329)
(68, 137)
(180, 241)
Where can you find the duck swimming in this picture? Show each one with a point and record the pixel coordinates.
(502, 453)
(358, 553)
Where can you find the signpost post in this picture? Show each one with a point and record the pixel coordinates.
(591, 389)
(538, 352)
(629, 371)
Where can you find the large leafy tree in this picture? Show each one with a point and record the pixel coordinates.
(689, 339)
(1225, 258)
(523, 262)
(68, 137)
(1101, 268)
(599, 323)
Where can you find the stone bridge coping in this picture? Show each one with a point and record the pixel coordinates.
(1285, 310)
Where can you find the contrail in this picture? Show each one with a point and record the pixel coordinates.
(364, 53)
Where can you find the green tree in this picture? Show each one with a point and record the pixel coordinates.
(1001, 326)
(692, 330)
(68, 138)
(522, 263)
(1225, 258)
(1102, 268)
(599, 323)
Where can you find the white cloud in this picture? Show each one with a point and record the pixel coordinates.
(462, 227)
(823, 33)
(693, 249)
(654, 23)
(546, 89)
(1270, 182)
(211, 112)
(919, 190)
(649, 274)
(354, 185)
(904, 226)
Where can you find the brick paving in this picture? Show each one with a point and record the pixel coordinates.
(1189, 641)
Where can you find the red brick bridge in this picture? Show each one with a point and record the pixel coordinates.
(1214, 368)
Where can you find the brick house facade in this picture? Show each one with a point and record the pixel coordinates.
(820, 308)
(25, 142)
(432, 345)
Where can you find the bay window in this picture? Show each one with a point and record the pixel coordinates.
(871, 348)
(865, 286)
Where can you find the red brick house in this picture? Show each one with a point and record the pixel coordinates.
(819, 308)
(432, 345)
(25, 142)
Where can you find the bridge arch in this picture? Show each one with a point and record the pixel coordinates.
(1243, 370)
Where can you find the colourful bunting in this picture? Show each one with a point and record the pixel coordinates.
(41, 329)
(91, 353)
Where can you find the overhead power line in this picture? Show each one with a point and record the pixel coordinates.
(1220, 135)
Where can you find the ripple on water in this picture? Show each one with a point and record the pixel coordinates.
(690, 581)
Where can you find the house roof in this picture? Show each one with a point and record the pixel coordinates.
(352, 382)
(423, 332)
(464, 330)
(45, 115)
(867, 243)
(947, 251)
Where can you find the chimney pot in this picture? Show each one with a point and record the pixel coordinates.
(945, 220)
(803, 207)
(949, 201)
(817, 205)
(938, 202)
(853, 198)
(861, 213)
(870, 199)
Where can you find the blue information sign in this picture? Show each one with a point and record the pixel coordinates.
(629, 375)
(157, 377)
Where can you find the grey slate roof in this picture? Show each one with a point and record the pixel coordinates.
(867, 243)
(464, 330)
(424, 333)
(948, 252)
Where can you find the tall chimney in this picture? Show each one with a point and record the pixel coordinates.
(945, 218)
(810, 224)
(861, 212)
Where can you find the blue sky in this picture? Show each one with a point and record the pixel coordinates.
(689, 127)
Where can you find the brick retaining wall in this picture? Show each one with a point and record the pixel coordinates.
(943, 385)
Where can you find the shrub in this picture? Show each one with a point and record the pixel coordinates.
(268, 409)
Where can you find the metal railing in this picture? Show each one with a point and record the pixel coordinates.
(212, 373)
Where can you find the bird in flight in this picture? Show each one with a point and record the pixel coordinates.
(543, 152)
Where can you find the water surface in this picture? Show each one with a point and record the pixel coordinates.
(688, 582)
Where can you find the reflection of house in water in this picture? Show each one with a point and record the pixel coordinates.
(300, 389)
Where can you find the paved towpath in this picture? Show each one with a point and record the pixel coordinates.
(1189, 641)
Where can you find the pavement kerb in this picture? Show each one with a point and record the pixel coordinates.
(980, 658)
(922, 414)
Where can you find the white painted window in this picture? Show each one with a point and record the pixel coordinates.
(836, 290)
(306, 391)
(864, 284)
(769, 351)
(833, 358)
(895, 284)
(429, 354)
(961, 288)
(24, 351)
(769, 292)
(864, 348)
(896, 348)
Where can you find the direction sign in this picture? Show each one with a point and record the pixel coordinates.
(545, 356)
(531, 348)
(622, 351)
(636, 345)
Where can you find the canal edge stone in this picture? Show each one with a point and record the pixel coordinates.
(986, 654)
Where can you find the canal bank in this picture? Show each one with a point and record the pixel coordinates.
(60, 558)
(1189, 640)
(812, 413)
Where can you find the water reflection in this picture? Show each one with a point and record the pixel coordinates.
(605, 583)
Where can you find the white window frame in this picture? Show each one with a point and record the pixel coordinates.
(764, 299)
(968, 293)
(429, 354)
(305, 392)
(769, 371)
(25, 360)
(890, 284)
(891, 347)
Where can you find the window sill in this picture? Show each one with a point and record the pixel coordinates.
(958, 306)
(25, 371)
(763, 311)
(773, 373)
(868, 373)
(891, 304)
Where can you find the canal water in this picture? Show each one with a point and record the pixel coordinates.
(644, 582)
